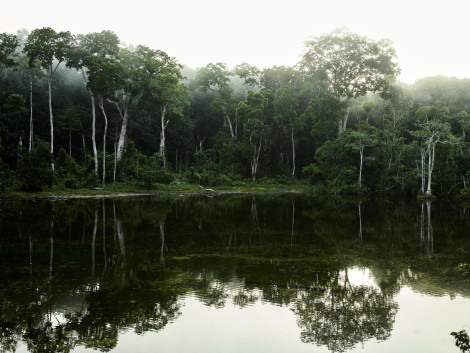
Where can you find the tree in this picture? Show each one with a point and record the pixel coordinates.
(365, 136)
(433, 128)
(252, 115)
(273, 78)
(324, 112)
(8, 45)
(216, 78)
(104, 77)
(250, 74)
(164, 89)
(462, 340)
(140, 68)
(351, 64)
(95, 57)
(367, 106)
(48, 48)
(286, 117)
(71, 121)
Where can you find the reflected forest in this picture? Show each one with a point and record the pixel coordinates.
(86, 110)
(81, 273)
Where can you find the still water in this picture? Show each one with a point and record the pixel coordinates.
(232, 273)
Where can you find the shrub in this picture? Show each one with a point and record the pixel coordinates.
(35, 169)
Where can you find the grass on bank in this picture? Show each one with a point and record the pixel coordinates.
(126, 188)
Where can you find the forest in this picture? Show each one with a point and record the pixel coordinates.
(87, 111)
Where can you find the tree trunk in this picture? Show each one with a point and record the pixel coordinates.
(95, 152)
(423, 168)
(164, 123)
(51, 118)
(201, 142)
(343, 122)
(31, 143)
(122, 135)
(115, 163)
(430, 168)
(229, 122)
(18, 157)
(361, 153)
(254, 162)
(84, 149)
(104, 137)
(293, 154)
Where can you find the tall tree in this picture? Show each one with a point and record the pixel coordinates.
(249, 74)
(163, 88)
(286, 116)
(275, 77)
(352, 65)
(433, 128)
(49, 49)
(8, 45)
(95, 56)
(216, 78)
(365, 136)
(252, 115)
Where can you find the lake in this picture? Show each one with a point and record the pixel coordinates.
(232, 273)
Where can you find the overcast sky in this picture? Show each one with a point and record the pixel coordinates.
(431, 37)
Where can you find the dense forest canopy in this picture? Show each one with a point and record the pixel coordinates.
(85, 110)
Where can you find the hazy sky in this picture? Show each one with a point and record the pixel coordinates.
(431, 37)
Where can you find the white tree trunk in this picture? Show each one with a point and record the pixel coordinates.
(31, 143)
(229, 122)
(115, 163)
(164, 123)
(430, 168)
(423, 169)
(51, 118)
(95, 152)
(343, 122)
(361, 154)
(122, 135)
(104, 137)
(255, 160)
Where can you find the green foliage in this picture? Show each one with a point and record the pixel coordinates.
(45, 45)
(227, 134)
(462, 341)
(8, 45)
(35, 169)
(153, 172)
(69, 174)
(13, 117)
(353, 65)
(324, 113)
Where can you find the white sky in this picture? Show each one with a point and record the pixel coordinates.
(431, 37)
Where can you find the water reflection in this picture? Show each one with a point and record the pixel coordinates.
(64, 287)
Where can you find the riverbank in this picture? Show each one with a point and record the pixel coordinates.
(126, 190)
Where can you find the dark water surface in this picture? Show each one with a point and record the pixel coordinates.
(243, 273)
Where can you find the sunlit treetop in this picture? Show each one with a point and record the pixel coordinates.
(353, 65)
